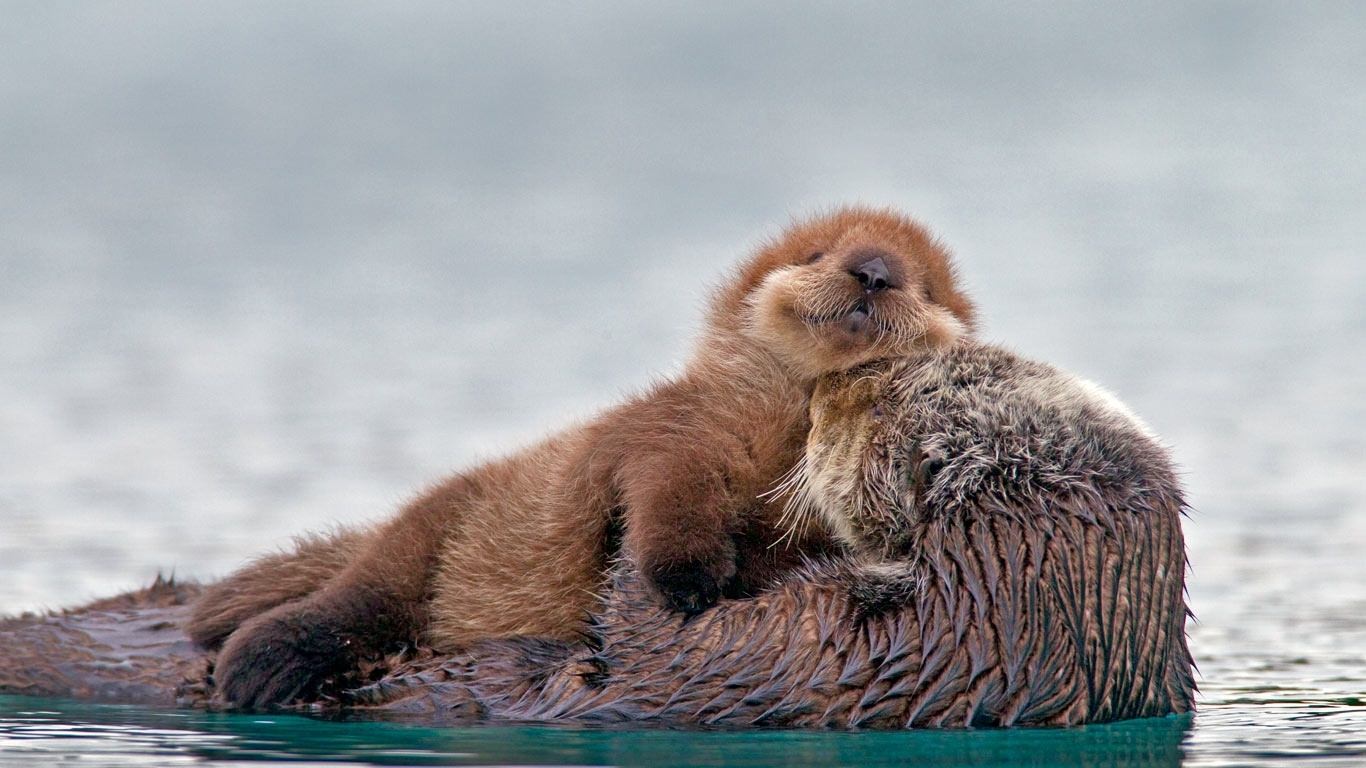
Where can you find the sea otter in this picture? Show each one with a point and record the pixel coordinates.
(519, 546)
(1015, 557)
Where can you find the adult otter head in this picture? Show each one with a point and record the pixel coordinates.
(967, 432)
(845, 288)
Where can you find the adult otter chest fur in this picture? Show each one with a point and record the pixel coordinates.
(520, 545)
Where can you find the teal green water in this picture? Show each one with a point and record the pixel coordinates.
(33, 730)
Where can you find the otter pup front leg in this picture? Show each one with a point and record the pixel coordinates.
(680, 515)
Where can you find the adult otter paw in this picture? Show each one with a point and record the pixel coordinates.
(276, 658)
(691, 582)
(884, 588)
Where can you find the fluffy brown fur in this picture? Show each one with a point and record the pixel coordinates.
(520, 545)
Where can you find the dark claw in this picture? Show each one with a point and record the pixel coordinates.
(687, 587)
(695, 583)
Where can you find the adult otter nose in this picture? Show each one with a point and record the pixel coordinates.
(872, 274)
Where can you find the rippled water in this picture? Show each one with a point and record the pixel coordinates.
(264, 268)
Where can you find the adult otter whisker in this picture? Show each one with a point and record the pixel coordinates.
(795, 493)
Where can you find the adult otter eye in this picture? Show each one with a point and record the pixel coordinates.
(815, 257)
(927, 470)
(925, 466)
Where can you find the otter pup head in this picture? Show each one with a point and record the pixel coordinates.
(846, 288)
(969, 432)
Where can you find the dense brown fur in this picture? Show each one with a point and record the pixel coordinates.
(1017, 560)
(520, 545)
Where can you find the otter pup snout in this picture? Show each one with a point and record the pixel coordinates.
(871, 270)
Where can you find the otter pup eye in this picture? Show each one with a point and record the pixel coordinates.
(815, 257)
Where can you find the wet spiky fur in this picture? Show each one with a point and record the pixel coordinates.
(521, 545)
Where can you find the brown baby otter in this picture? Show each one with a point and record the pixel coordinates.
(520, 545)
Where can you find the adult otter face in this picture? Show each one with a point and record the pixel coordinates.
(851, 287)
(969, 432)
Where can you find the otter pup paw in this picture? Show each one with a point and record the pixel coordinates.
(691, 582)
(281, 656)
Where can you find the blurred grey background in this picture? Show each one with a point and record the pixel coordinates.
(268, 266)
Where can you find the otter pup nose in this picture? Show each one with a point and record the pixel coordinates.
(872, 273)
